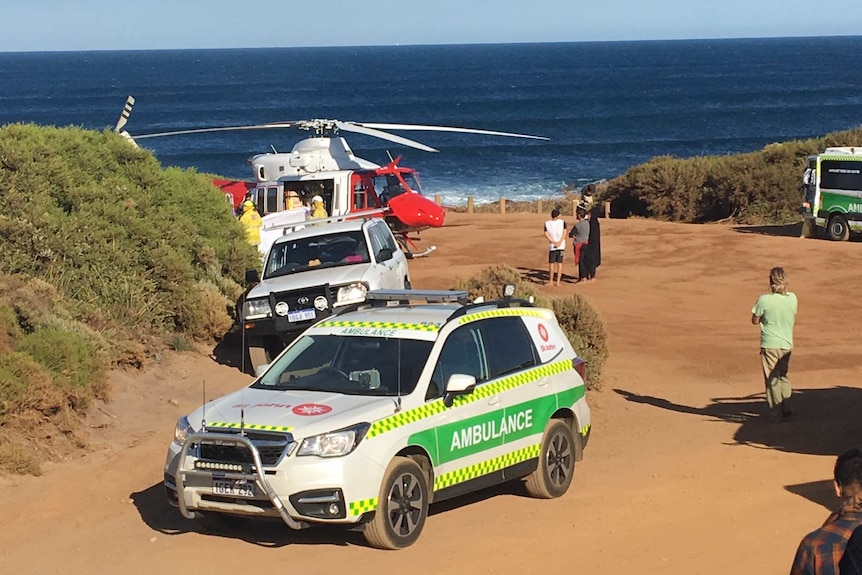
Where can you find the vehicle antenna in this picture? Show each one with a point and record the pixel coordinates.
(242, 421)
(274, 151)
(204, 407)
(398, 378)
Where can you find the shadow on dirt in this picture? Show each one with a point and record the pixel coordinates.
(229, 351)
(826, 421)
(786, 230)
(541, 276)
(159, 515)
(819, 492)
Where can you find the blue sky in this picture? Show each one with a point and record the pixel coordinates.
(34, 25)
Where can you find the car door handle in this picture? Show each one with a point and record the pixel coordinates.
(494, 400)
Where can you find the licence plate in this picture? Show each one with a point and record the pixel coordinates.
(235, 488)
(301, 315)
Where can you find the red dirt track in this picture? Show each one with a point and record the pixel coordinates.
(681, 475)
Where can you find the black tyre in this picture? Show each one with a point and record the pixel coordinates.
(553, 476)
(401, 508)
(837, 229)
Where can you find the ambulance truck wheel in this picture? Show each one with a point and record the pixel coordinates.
(556, 462)
(837, 228)
(401, 508)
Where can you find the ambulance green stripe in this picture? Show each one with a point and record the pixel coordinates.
(482, 391)
(486, 467)
(382, 325)
(362, 506)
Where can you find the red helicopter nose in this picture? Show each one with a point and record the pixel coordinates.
(415, 210)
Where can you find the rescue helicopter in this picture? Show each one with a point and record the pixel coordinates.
(323, 165)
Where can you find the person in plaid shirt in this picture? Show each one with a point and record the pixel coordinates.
(821, 550)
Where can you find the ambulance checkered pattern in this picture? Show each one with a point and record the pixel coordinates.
(382, 325)
(249, 426)
(501, 313)
(486, 467)
(481, 392)
(362, 506)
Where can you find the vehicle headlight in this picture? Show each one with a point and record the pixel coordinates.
(353, 293)
(256, 309)
(334, 443)
(183, 430)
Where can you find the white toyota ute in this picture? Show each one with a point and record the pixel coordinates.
(374, 413)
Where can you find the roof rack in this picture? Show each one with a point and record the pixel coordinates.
(386, 297)
(364, 215)
(496, 304)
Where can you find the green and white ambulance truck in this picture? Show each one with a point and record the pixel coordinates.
(833, 194)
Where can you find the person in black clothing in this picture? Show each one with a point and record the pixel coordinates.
(851, 562)
(592, 252)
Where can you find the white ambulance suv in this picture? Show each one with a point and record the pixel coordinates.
(376, 412)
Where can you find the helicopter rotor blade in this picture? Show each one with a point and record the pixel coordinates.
(420, 127)
(369, 131)
(272, 126)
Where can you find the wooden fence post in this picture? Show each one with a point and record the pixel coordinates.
(469, 204)
(607, 209)
(502, 205)
(539, 206)
(437, 199)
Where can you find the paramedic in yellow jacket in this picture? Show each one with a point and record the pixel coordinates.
(318, 211)
(251, 222)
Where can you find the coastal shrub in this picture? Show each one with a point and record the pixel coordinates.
(581, 323)
(26, 386)
(760, 187)
(585, 329)
(73, 363)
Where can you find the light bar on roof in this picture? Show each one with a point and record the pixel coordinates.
(428, 296)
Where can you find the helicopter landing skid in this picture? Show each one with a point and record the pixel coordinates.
(408, 246)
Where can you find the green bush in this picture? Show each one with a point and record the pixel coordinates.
(756, 188)
(579, 320)
(73, 363)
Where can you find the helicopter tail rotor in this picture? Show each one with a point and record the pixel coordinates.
(124, 117)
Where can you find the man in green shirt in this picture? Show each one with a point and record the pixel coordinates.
(775, 312)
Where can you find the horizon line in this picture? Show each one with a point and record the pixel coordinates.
(432, 44)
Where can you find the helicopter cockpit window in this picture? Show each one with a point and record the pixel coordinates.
(333, 250)
(271, 200)
(388, 186)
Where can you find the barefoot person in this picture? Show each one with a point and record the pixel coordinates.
(775, 312)
(555, 233)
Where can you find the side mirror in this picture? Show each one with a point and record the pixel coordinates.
(252, 277)
(385, 255)
(458, 384)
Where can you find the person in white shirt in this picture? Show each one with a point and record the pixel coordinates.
(555, 233)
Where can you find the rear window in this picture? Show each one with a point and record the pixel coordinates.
(507, 345)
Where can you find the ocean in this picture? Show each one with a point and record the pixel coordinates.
(606, 106)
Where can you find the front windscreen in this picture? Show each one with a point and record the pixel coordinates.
(303, 254)
(351, 365)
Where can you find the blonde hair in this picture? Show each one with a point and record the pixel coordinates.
(778, 280)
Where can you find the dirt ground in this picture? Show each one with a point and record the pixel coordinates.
(681, 475)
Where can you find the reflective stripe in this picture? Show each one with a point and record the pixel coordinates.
(251, 426)
(481, 392)
(430, 327)
(486, 467)
(362, 506)
(502, 313)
